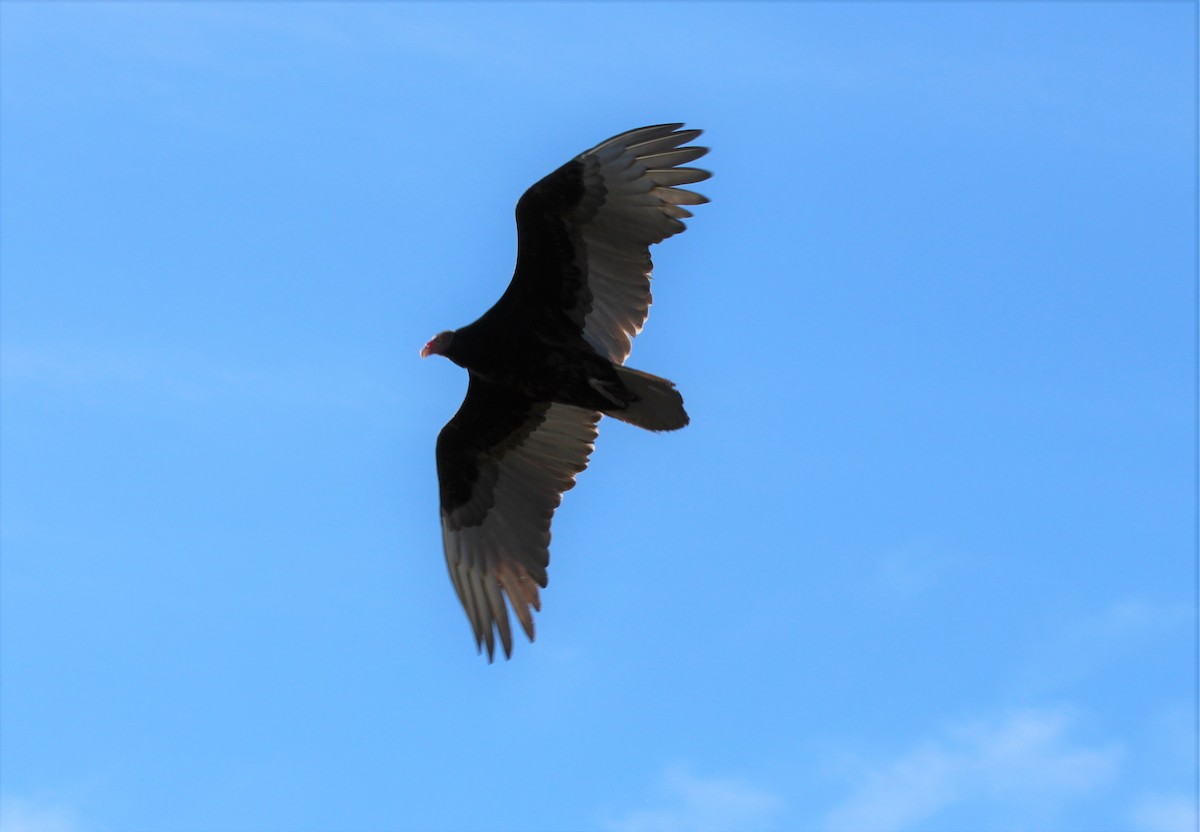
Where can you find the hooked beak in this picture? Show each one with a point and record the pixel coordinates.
(427, 350)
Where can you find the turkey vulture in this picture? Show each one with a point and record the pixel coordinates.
(546, 362)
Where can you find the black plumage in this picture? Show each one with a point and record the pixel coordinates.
(546, 362)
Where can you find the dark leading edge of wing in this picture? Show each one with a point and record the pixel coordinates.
(584, 235)
(504, 462)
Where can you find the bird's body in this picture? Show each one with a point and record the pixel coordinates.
(546, 361)
(564, 373)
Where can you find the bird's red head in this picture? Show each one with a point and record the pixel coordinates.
(438, 344)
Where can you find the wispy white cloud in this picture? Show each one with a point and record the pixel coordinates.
(21, 815)
(96, 374)
(691, 803)
(1021, 758)
(1095, 641)
(64, 367)
(910, 571)
(1165, 813)
(1138, 616)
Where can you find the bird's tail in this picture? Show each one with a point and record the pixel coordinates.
(657, 406)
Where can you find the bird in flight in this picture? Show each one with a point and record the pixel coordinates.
(546, 362)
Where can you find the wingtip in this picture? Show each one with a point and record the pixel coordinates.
(491, 651)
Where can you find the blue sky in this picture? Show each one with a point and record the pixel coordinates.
(924, 559)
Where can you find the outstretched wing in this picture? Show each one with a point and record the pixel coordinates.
(504, 461)
(584, 234)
